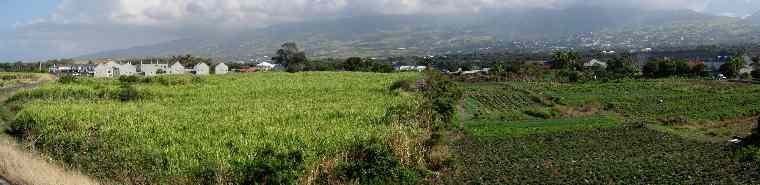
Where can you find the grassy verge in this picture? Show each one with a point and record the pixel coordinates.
(19, 166)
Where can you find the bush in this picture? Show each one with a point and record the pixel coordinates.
(128, 93)
(545, 113)
(755, 74)
(67, 79)
(373, 162)
(129, 79)
(270, 167)
(405, 85)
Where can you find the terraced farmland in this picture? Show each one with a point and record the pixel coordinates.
(669, 131)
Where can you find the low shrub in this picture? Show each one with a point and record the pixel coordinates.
(545, 113)
(128, 93)
(67, 79)
(129, 79)
(405, 85)
(269, 167)
(373, 162)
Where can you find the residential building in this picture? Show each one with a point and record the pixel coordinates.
(221, 69)
(595, 63)
(265, 66)
(125, 70)
(105, 70)
(177, 69)
(153, 69)
(201, 69)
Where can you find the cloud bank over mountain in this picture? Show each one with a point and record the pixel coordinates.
(78, 27)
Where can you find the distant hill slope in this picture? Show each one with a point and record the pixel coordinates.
(422, 35)
(755, 18)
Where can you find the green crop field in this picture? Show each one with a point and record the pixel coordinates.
(668, 131)
(240, 128)
(8, 79)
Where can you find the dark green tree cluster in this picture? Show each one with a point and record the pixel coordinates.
(36, 67)
(618, 68)
(755, 68)
(290, 56)
(365, 65)
(188, 60)
(731, 68)
(567, 60)
(668, 68)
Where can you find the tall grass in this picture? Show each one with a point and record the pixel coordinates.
(260, 128)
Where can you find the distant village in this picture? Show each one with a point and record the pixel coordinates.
(112, 68)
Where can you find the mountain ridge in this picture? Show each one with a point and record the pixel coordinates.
(395, 35)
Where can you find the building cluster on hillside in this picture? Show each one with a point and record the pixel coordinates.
(115, 69)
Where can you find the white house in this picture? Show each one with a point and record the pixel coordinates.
(177, 69)
(221, 69)
(125, 70)
(411, 68)
(153, 69)
(105, 70)
(265, 66)
(201, 69)
(595, 62)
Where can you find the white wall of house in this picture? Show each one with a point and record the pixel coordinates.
(153, 69)
(126, 70)
(265, 66)
(221, 69)
(201, 69)
(595, 62)
(177, 68)
(105, 70)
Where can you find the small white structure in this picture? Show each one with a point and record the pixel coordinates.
(265, 66)
(595, 62)
(201, 69)
(105, 70)
(411, 68)
(177, 69)
(221, 69)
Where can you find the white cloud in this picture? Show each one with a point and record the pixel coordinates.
(78, 27)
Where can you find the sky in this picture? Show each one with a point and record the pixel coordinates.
(44, 29)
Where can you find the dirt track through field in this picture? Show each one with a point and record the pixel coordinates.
(21, 167)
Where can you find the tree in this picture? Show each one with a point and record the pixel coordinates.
(651, 69)
(621, 67)
(755, 68)
(355, 64)
(565, 60)
(188, 60)
(731, 68)
(290, 56)
(698, 70)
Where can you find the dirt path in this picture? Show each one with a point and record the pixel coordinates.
(21, 167)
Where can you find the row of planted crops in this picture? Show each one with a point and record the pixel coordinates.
(666, 131)
(240, 129)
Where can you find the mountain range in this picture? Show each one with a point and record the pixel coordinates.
(530, 30)
(755, 18)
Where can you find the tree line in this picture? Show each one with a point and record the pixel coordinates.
(295, 60)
